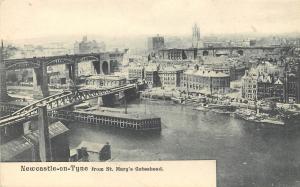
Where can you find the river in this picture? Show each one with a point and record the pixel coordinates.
(247, 154)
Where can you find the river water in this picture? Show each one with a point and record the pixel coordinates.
(247, 154)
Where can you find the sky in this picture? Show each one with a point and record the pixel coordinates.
(41, 18)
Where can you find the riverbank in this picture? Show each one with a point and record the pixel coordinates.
(241, 148)
(278, 114)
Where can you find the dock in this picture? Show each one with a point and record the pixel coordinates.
(133, 122)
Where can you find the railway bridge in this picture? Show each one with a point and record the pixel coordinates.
(10, 125)
(103, 63)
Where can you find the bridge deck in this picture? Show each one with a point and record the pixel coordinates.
(60, 101)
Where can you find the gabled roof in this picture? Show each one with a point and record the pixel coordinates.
(91, 146)
(265, 79)
(19, 145)
(55, 129)
(279, 82)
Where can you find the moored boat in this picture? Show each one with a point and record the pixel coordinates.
(252, 116)
(202, 107)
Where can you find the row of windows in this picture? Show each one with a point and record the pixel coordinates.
(200, 78)
(202, 83)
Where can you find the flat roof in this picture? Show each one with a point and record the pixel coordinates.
(134, 116)
(206, 73)
(107, 77)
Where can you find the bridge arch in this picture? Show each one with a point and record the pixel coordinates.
(89, 58)
(105, 67)
(61, 100)
(240, 52)
(22, 65)
(205, 53)
(59, 61)
(96, 65)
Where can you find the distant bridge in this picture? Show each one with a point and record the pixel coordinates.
(103, 64)
(59, 101)
(37, 62)
(193, 53)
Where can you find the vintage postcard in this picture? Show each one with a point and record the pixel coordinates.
(150, 93)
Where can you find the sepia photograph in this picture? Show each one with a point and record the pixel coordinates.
(119, 81)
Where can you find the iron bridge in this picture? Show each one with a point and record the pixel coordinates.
(59, 101)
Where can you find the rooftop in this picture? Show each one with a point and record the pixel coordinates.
(206, 73)
(134, 116)
(91, 146)
(55, 129)
(265, 79)
(13, 148)
(171, 69)
(107, 77)
(279, 82)
(19, 145)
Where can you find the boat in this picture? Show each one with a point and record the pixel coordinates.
(202, 107)
(177, 99)
(222, 111)
(263, 118)
(272, 121)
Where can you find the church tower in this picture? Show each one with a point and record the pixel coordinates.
(196, 37)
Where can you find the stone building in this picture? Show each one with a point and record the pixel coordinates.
(235, 72)
(86, 46)
(136, 71)
(151, 76)
(259, 83)
(262, 86)
(177, 54)
(105, 81)
(291, 88)
(249, 85)
(205, 81)
(279, 90)
(170, 77)
(265, 86)
(156, 43)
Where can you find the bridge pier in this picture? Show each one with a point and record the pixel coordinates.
(44, 138)
(40, 82)
(102, 67)
(3, 88)
(130, 94)
(108, 100)
(105, 67)
(71, 72)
